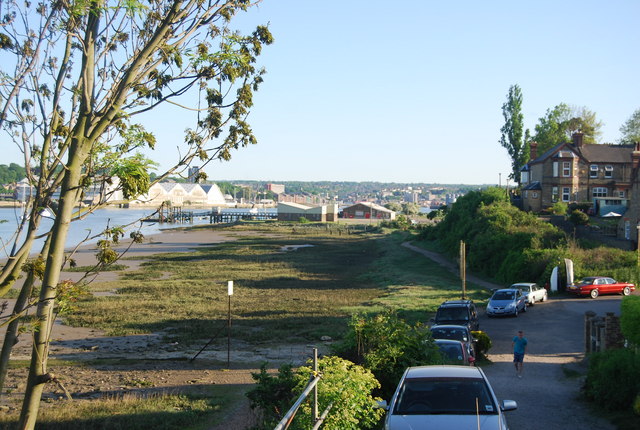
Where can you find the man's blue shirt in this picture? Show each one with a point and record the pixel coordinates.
(519, 344)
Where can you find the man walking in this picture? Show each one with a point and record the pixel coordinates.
(519, 349)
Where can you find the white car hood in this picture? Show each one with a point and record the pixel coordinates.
(444, 422)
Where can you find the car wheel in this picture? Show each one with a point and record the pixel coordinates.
(626, 291)
(594, 293)
(524, 308)
(515, 314)
(544, 298)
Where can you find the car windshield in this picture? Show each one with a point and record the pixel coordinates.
(503, 295)
(451, 352)
(451, 396)
(452, 314)
(449, 333)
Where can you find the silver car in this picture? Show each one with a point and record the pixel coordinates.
(508, 301)
(446, 397)
(534, 292)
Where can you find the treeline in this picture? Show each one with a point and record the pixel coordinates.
(11, 173)
(511, 245)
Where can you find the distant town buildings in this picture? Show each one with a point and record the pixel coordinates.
(276, 188)
(181, 194)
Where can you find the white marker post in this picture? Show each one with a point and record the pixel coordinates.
(230, 293)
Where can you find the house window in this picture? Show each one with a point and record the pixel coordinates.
(593, 171)
(524, 177)
(566, 194)
(554, 194)
(566, 169)
(599, 192)
(555, 169)
(621, 194)
(608, 171)
(534, 195)
(526, 194)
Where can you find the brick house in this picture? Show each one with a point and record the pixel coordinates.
(579, 172)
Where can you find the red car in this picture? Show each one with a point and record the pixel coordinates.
(595, 285)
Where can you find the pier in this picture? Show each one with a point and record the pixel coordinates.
(175, 215)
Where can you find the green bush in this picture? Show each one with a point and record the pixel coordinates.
(613, 378)
(272, 395)
(578, 217)
(630, 319)
(303, 220)
(387, 345)
(483, 343)
(345, 385)
(348, 387)
(636, 405)
(559, 208)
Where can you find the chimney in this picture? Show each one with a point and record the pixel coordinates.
(635, 156)
(578, 138)
(533, 150)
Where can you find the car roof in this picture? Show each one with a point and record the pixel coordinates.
(523, 284)
(439, 371)
(506, 289)
(457, 303)
(448, 341)
(451, 326)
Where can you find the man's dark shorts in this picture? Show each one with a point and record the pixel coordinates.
(517, 357)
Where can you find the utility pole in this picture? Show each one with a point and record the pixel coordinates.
(463, 269)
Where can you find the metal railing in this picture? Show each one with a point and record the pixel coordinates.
(312, 387)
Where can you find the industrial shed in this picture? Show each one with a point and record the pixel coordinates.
(367, 210)
(294, 211)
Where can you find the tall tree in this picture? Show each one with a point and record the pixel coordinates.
(75, 76)
(631, 129)
(512, 132)
(561, 122)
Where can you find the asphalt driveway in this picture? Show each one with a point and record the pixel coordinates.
(547, 398)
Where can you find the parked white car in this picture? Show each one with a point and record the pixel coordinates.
(445, 397)
(534, 292)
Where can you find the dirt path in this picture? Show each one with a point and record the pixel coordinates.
(547, 398)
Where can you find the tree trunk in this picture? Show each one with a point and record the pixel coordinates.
(11, 336)
(38, 374)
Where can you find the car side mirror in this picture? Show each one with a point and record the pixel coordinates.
(509, 405)
(381, 404)
(472, 359)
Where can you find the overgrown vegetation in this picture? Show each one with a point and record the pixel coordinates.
(387, 345)
(162, 412)
(345, 388)
(510, 245)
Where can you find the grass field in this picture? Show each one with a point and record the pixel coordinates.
(279, 295)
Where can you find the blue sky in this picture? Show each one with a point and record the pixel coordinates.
(369, 90)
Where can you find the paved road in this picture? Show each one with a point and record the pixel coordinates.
(547, 399)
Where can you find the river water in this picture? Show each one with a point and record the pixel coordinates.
(93, 224)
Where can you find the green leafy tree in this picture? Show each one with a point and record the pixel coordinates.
(348, 388)
(631, 129)
(387, 345)
(76, 76)
(578, 217)
(11, 173)
(559, 123)
(394, 206)
(512, 132)
(410, 209)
